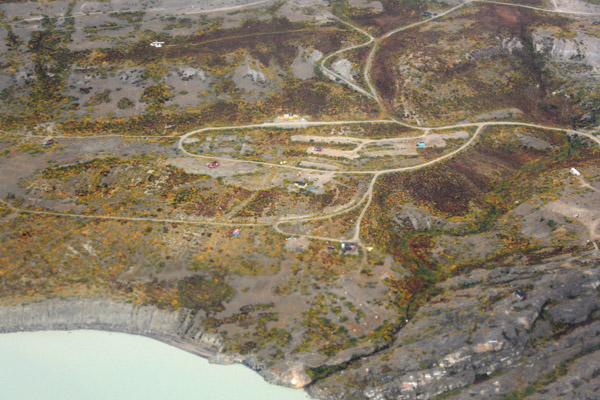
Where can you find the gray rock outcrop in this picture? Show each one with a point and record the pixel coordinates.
(187, 73)
(179, 328)
(255, 75)
(579, 49)
(345, 68)
(506, 46)
(480, 340)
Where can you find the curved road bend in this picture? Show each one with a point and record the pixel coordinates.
(373, 94)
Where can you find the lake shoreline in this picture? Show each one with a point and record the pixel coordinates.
(82, 314)
(175, 341)
(79, 363)
(180, 328)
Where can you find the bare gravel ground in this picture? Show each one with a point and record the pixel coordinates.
(64, 152)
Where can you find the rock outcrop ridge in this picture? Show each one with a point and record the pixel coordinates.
(478, 339)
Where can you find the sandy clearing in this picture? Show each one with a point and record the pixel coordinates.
(586, 217)
(369, 147)
(328, 139)
(304, 64)
(225, 168)
(398, 151)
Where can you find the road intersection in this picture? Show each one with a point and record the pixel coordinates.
(371, 92)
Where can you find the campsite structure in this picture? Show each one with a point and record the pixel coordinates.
(349, 246)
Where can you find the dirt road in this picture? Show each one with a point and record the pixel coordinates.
(371, 92)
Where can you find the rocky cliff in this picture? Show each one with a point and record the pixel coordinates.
(180, 328)
(479, 339)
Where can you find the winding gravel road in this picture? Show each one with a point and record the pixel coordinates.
(367, 197)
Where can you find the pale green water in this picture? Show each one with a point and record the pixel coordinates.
(89, 365)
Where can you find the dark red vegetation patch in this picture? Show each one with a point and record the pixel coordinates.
(451, 186)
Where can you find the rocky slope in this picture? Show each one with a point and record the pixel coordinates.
(478, 339)
(475, 339)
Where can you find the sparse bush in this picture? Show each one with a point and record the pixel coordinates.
(125, 103)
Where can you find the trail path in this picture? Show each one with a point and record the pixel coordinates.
(585, 184)
(121, 218)
(370, 92)
(366, 198)
(555, 10)
(327, 71)
(183, 138)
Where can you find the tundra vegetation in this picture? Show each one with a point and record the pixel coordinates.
(452, 171)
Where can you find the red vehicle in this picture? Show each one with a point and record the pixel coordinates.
(213, 164)
(318, 148)
(49, 142)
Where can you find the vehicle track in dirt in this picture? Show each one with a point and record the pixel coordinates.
(371, 93)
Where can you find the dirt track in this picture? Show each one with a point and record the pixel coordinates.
(372, 93)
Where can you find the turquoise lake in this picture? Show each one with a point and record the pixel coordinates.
(89, 365)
